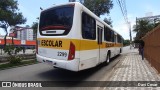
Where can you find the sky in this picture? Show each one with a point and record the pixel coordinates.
(135, 8)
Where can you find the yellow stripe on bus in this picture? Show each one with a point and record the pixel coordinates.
(64, 44)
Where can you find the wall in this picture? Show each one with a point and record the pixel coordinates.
(152, 47)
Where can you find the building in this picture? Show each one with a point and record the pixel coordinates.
(26, 34)
(18, 43)
(34, 36)
(22, 33)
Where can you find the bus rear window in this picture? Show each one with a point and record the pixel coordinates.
(56, 21)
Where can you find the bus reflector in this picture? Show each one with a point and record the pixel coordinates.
(71, 55)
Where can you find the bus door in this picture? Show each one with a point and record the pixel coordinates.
(99, 41)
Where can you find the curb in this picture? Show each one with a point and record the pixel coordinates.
(22, 61)
(19, 66)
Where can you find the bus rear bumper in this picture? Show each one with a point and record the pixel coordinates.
(71, 65)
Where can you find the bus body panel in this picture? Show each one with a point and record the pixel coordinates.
(88, 53)
(88, 59)
(69, 65)
(51, 52)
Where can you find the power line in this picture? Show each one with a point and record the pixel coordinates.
(122, 5)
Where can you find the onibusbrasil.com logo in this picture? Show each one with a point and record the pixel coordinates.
(20, 84)
(6, 84)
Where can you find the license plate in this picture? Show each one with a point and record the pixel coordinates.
(48, 62)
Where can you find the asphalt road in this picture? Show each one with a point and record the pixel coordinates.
(44, 72)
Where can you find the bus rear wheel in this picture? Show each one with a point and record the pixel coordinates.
(108, 58)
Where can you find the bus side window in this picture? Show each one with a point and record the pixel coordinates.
(119, 38)
(88, 27)
(99, 31)
(115, 38)
(112, 36)
(107, 34)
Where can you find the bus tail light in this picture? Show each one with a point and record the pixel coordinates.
(71, 55)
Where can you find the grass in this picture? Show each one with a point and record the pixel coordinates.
(23, 63)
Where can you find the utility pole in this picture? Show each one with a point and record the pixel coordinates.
(122, 5)
(130, 34)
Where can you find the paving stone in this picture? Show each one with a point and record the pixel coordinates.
(133, 68)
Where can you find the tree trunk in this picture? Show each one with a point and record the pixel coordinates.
(12, 38)
(5, 41)
(12, 41)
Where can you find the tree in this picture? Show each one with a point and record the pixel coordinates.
(9, 15)
(142, 27)
(34, 27)
(13, 58)
(156, 22)
(108, 21)
(99, 7)
(126, 42)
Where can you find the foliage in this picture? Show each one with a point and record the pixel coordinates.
(144, 26)
(108, 21)
(18, 49)
(126, 42)
(14, 59)
(156, 22)
(9, 15)
(34, 27)
(99, 7)
(9, 49)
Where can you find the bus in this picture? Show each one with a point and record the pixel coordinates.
(71, 37)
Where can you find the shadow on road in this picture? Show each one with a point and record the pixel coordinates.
(66, 75)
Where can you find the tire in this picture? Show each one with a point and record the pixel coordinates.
(108, 58)
(120, 51)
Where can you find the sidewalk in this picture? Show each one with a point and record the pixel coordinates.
(133, 68)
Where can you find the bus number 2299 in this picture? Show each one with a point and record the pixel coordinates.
(64, 54)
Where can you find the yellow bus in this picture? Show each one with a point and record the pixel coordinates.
(71, 37)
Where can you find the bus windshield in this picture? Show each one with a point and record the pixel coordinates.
(57, 18)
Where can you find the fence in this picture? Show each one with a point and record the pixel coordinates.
(152, 47)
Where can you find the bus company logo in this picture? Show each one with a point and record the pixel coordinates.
(6, 84)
